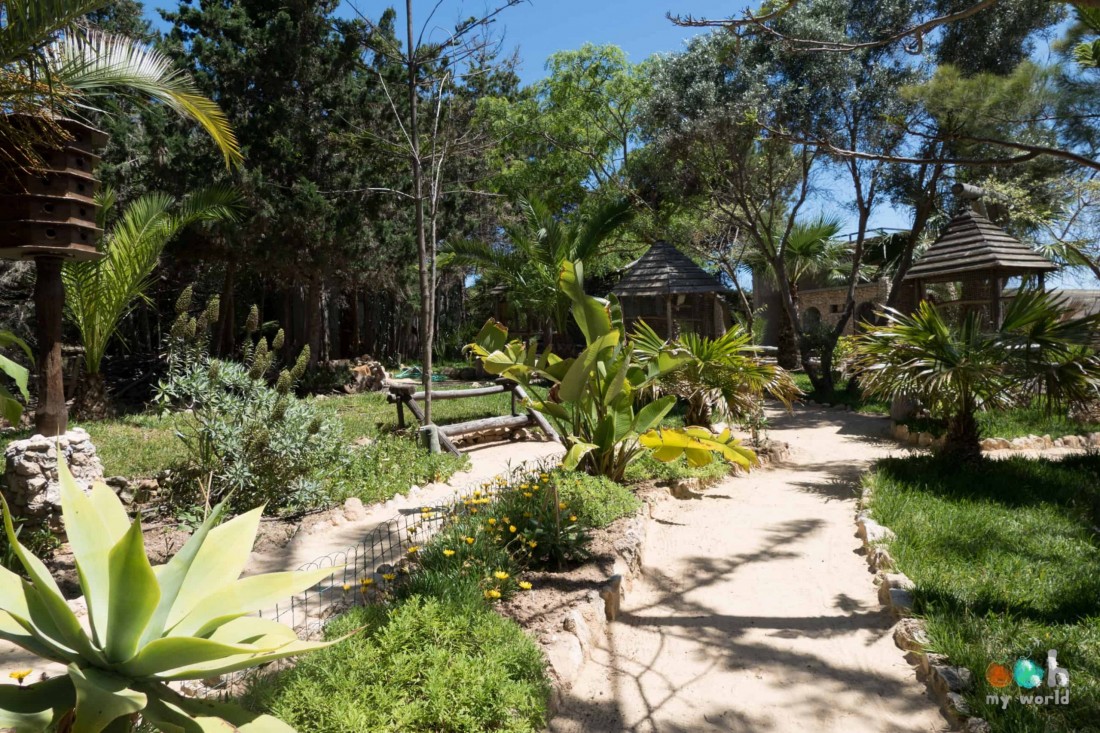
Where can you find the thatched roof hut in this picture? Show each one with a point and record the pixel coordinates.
(671, 293)
(981, 257)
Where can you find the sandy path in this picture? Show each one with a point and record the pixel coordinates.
(756, 611)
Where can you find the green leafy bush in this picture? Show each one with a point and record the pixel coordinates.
(598, 501)
(650, 469)
(425, 666)
(255, 442)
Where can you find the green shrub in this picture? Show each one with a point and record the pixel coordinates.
(390, 465)
(250, 441)
(598, 501)
(426, 666)
(649, 469)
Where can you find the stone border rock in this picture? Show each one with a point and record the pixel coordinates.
(895, 592)
(583, 624)
(1091, 441)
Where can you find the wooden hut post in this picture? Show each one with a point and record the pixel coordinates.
(995, 310)
(719, 315)
(668, 316)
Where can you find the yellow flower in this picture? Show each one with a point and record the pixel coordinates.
(492, 593)
(474, 510)
(388, 576)
(544, 477)
(492, 521)
(20, 675)
(524, 486)
(506, 520)
(527, 494)
(347, 587)
(413, 550)
(500, 575)
(477, 494)
(448, 553)
(469, 540)
(532, 544)
(511, 528)
(525, 585)
(563, 505)
(367, 581)
(572, 517)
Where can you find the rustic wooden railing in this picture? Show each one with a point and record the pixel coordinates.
(407, 396)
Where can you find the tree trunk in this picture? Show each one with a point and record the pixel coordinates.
(51, 417)
(313, 318)
(418, 209)
(787, 343)
(226, 343)
(91, 401)
(963, 440)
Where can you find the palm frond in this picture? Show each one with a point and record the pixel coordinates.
(97, 63)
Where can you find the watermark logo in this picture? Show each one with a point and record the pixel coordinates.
(1028, 676)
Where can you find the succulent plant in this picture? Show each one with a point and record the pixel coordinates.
(147, 627)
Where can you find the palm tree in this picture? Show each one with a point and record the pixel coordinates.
(100, 293)
(529, 264)
(811, 250)
(1039, 352)
(719, 375)
(51, 66)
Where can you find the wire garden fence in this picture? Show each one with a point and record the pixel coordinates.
(362, 574)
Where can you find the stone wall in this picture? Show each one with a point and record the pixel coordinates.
(828, 303)
(30, 474)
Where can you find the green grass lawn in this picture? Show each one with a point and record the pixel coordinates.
(841, 396)
(1015, 423)
(1006, 562)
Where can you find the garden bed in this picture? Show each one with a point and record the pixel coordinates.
(1004, 564)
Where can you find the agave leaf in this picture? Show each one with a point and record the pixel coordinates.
(238, 662)
(253, 630)
(173, 652)
(94, 524)
(22, 634)
(245, 596)
(101, 698)
(173, 713)
(170, 576)
(35, 708)
(67, 627)
(130, 610)
(217, 563)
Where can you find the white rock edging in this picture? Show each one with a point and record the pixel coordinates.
(910, 634)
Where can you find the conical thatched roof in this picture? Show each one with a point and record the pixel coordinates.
(973, 245)
(665, 270)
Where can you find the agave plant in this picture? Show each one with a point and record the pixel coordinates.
(11, 409)
(100, 293)
(1040, 352)
(147, 626)
(592, 401)
(718, 374)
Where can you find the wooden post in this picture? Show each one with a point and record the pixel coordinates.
(668, 316)
(51, 418)
(719, 316)
(995, 310)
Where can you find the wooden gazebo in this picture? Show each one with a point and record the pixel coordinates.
(672, 294)
(980, 258)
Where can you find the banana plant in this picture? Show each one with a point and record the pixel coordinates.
(593, 396)
(147, 626)
(11, 409)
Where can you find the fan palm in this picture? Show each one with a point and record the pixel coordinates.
(1039, 352)
(50, 65)
(719, 375)
(811, 251)
(536, 247)
(101, 293)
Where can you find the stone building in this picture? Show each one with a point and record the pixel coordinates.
(817, 305)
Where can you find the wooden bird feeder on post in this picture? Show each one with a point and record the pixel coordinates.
(48, 214)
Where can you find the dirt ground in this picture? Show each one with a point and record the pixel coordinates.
(756, 611)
